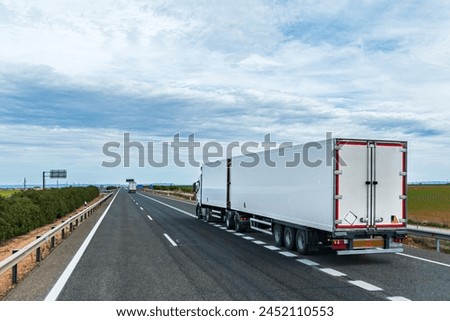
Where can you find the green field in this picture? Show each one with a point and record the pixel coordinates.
(429, 204)
(8, 192)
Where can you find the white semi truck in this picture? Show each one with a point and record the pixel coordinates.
(346, 194)
(132, 187)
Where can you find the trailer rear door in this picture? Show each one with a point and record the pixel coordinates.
(370, 184)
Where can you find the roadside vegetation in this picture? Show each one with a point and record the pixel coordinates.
(24, 211)
(8, 192)
(174, 188)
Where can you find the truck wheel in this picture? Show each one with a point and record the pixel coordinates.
(208, 215)
(278, 232)
(301, 240)
(229, 221)
(289, 238)
(237, 226)
(199, 212)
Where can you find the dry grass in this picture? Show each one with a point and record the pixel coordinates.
(429, 205)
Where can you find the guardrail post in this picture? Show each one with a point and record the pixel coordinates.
(38, 252)
(71, 227)
(14, 270)
(52, 240)
(438, 245)
(76, 222)
(63, 232)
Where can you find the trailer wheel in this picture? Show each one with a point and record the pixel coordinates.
(301, 240)
(229, 220)
(237, 226)
(199, 212)
(208, 215)
(289, 238)
(278, 233)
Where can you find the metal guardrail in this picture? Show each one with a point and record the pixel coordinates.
(430, 233)
(17, 256)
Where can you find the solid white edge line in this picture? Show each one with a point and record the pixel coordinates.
(422, 259)
(170, 240)
(149, 217)
(59, 285)
(169, 206)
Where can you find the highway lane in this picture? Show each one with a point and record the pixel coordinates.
(417, 274)
(144, 250)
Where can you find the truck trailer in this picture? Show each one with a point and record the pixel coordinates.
(132, 187)
(345, 194)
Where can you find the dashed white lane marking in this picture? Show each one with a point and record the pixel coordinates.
(249, 238)
(361, 284)
(170, 240)
(259, 242)
(230, 231)
(141, 208)
(307, 262)
(169, 206)
(397, 298)
(332, 272)
(149, 217)
(422, 259)
(365, 285)
(288, 254)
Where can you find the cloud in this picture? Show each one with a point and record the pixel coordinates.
(226, 71)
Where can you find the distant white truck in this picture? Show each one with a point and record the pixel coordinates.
(132, 187)
(346, 194)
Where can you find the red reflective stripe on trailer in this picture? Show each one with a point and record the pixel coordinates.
(390, 144)
(350, 226)
(337, 185)
(404, 185)
(347, 142)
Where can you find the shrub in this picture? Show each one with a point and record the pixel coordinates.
(28, 210)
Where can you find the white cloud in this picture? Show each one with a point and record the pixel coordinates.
(296, 69)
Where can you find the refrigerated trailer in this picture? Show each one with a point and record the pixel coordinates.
(345, 194)
(132, 187)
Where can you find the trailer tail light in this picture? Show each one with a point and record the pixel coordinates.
(339, 244)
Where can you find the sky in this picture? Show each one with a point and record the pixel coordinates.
(76, 75)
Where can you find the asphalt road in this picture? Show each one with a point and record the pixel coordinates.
(152, 248)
